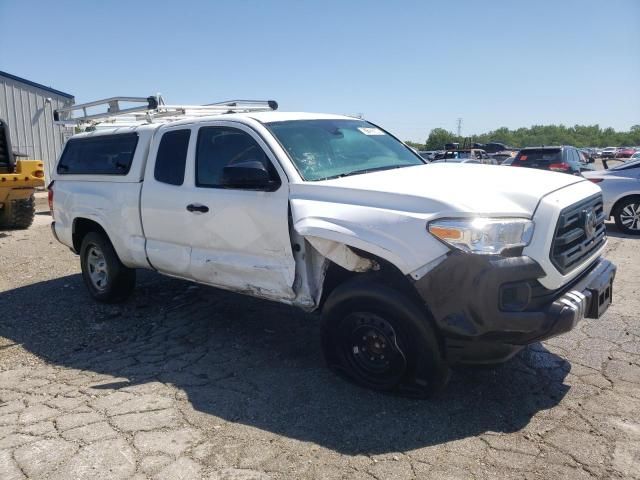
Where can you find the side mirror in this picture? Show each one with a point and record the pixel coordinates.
(250, 175)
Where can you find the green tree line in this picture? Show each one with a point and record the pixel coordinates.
(578, 136)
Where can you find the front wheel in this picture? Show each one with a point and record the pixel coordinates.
(106, 278)
(627, 215)
(381, 339)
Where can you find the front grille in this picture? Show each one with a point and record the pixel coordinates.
(578, 234)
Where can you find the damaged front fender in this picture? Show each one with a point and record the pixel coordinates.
(341, 254)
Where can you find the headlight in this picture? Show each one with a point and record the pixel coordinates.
(489, 236)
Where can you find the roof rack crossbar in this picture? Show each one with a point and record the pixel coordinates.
(154, 107)
(113, 108)
(270, 104)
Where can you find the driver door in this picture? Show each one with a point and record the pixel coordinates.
(239, 237)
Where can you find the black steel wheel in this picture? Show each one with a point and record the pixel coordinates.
(372, 349)
(382, 339)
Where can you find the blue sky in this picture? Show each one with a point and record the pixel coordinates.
(409, 65)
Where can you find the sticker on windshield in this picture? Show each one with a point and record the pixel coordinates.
(371, 131)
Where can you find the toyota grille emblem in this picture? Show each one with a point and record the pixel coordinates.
(589, 222)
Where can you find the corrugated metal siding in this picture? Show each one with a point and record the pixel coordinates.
(30, 119)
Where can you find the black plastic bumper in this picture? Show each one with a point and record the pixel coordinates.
(471, 298)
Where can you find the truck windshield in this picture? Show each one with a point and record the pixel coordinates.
(324, 149)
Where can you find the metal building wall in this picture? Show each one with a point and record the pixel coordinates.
(30, 117)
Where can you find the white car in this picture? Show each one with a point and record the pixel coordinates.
(621, 193)
(414, 266)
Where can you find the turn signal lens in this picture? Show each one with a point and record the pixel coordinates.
(596, 180)
(445, 233)
(38, 174)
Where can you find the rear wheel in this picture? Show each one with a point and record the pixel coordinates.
(381, 339)
(18, 214)
(106, 278)
(627, 215)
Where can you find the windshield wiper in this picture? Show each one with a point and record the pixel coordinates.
(364, 170)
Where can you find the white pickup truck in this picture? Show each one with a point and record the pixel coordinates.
(414, 267)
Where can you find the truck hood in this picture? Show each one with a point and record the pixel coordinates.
(441, 189)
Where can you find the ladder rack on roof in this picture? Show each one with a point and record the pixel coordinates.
(152, 108)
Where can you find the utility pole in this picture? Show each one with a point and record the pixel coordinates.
(459, 126)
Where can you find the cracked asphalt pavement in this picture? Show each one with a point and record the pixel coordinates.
(189, 382)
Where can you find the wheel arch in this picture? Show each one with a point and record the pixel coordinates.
(81, 227)
(360, 263)
(347, 255)
(622, 199)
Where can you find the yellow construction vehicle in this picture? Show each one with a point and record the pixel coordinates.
(18, 181)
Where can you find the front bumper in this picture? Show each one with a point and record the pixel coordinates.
(482, 320)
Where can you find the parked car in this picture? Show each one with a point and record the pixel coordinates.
(621, 194)
(498, 151)
(585, 164)
(470, 155)
(609, 152)
(495, 147)
(502, 157)
(414, 267)
(625, 152)
(563, 159)
(457, 160)
(428, 155)
(635, 155)
(589, 153)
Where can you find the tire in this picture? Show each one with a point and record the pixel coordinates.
(19, 214)
(381, 339)
(104, 275)
(4, 218)
(627, 215)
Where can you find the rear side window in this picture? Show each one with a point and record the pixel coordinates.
(100, 155)
(172, 157)
(538, 157)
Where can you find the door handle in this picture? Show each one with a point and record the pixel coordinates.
(194, 207)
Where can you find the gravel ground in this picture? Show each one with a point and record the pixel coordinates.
(185, 381)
